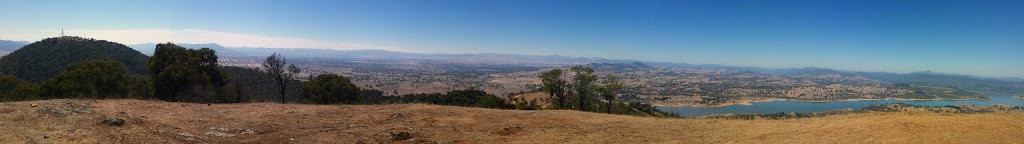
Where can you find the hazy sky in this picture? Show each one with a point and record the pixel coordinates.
(976, 37)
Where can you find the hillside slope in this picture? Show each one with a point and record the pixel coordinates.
(79, 121)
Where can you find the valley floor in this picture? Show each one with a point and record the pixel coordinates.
(79, 121)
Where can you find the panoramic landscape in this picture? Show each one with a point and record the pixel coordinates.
(789, 71)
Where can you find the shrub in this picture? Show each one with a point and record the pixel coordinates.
(13, 89)
(95, 79)
(329, 89)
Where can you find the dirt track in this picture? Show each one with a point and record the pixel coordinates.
(53, 121)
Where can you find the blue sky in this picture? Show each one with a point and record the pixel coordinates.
(975, 37)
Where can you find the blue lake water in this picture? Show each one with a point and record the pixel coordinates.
(804, 107)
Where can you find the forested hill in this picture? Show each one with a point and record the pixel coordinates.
(38, 61)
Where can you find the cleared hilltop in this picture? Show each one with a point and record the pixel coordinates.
(82, 121)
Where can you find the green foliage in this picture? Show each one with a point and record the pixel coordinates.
(612, 86)
(583, 85)
(372, 96)
(491, 101)
(582, 88)
(522, 104)
(41, 60)
(637, 108)
(470, 98)
(12, 89)
(175, 69)
(95, 79)
(554, 85)
(330, 89)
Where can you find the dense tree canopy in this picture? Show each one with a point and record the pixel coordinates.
(12, 89)
(329, 89)
(175, 69)
(95, 79)
(41, 60)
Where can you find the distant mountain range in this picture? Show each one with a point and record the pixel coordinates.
(970, 83)
(977, 77)
(534, 60)
(6, 46)
(149, 48)
(539, 60)
(549, 60)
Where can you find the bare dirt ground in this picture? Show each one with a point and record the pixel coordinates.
(79, 121)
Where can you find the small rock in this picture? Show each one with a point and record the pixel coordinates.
(220, 129)
(187, 136)
(220, 134)
(509, 130)
(399, 136)
(248, 131)
(34, 105)
(113, 121)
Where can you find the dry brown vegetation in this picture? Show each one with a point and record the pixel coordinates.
(79, 121)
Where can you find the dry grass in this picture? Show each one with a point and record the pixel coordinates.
(155, 121)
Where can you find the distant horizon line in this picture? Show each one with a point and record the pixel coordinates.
(635, 60)
(555, 55)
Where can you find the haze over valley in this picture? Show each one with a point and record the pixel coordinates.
(524, 71)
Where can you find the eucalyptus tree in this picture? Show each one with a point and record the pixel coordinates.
(175, 69)
(275, 65)
(612, 86)
(554, 85)
(583, 84)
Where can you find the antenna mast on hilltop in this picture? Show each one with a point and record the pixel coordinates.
(61, 32)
